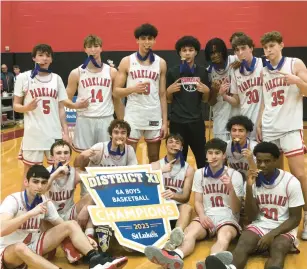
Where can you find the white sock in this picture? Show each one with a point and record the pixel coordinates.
(231, 266)
(89, 231)
(179, 252)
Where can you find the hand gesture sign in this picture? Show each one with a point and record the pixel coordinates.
(168, 167)
(175, 87)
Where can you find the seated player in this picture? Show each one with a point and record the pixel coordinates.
(178, 179)
(22, 242)
(274, 202)
(218, 191)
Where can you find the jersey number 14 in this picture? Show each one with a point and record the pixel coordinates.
(96, 96)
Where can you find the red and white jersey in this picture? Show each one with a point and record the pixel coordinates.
(103, 158)
(248, 86)
(283, 103)
(222, 108)
(236, 160)
(14, 204)
(143, 111)
(216, 197)
(41, 125)
(275, 200)
(62, 192)
(98, 86)
(174, 180)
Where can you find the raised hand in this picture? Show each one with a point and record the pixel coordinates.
(168, 167)
(175, 87)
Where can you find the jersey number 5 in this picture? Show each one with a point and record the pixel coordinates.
(46, 106)
(278, 98)
(96, 95)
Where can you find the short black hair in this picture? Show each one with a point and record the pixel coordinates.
(236, 34)
(38, 171)
(119, 124)
(220, 47)
(16, 66)
(43, 48)
(216, 143)
(267, 147)
(174, 136)
(60, 143)
(187, 41)
(146, 30)
(240, 120)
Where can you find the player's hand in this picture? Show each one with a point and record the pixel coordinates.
(175, 87)
(224, 88)
(90, 153)
(66, 138)
(92, 242)
(290, 78)
(206, 222)
(265, 242)
(33, 104)
(140, 87)
(168, 167)
(252, 174)
(163, 131)
(235, 65)
(259, 132)
(83, 217)
(168, 194)
(62, 170)
(226, 179)
(247, 153)
(39, 209)
(201, 87)
(215, 85)
(82, 103)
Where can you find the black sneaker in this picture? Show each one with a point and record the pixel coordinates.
(107, 262)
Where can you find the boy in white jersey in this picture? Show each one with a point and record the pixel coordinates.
(41, 96)
(246, 81)
(94, 80)
(218, 191)
(274, 202)
(178, 179)
(144, 73)
(22, 243)
(239, 152)
(219, 76)
(281, 114)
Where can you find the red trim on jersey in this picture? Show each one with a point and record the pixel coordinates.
(287, 187)
(229, 223)
(28, 162)
(255, 230)
(39, 245)
(132, 139)
(158, 138)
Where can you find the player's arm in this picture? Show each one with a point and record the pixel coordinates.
(72, 85)
(93, 154)
(236, 193)
(62, 115)
(184, 197)
(172, 86)
(9, 224)
(301, 72)
(198, 204)
(118, 104)
(251, 206)
(232, 99)
(203, 88)
(198, 191)
(215, 87)
(162, 95)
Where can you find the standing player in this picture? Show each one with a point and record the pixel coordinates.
(186, 90)
(218, 191)
(22, 243)
(144, 72)
(246, 82)
(178, 178)
(274, 202)
(219, 76)
(94, 81)
(284, 84)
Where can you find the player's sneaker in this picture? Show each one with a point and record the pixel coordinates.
(225, 257)
(175, 239)
(212, 262)
(168, 259)
(102, 261)
(304, 233)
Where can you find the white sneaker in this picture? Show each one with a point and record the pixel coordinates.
(175, 240)
(304, 233)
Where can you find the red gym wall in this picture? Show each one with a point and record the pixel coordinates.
(63, 25)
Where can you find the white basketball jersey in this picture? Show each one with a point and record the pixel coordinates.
(143, 111)
(62, 191)
(275, 200)
(98, 86)
(103, 158)
(222, 108)
(237, 161)
(248, 86)
(41, 125)
(283, 111)
(174, 180)
(216, 197)
(14, 204)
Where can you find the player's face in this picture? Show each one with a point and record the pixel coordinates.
(94, 50)
(43, 58)
(216, 56)
(145, 43)
(266, 162)
(188, 53)
(272, 50)
(173, 146)
(244, 52)
(215, 157)
(36, 186)
(119, 136)
(238, 132)
(61, 154)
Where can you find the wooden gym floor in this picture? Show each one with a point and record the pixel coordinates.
(11, 180)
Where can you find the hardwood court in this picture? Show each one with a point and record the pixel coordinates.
(11, 175)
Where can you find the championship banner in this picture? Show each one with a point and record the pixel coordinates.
(71, 114)
(128, 199)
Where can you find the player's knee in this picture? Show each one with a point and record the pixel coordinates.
(280, 248)
(72, 225)
(225, 236)
(245, 245)
(21, 248)
(186, 209)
